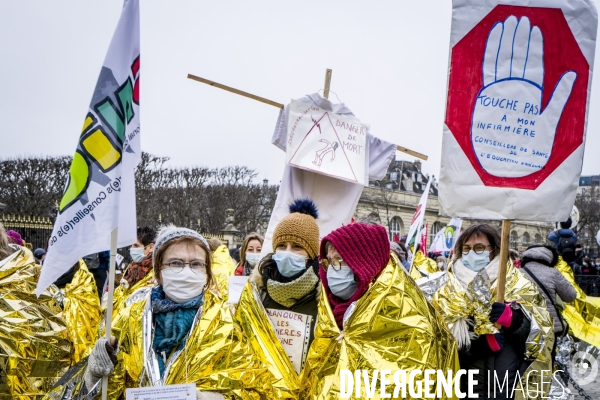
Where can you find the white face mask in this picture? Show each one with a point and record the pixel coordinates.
(182, 286)
(440, 265)
(136, 253)
(253, 258)
(341, 283)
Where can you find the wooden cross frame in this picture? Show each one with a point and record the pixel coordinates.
(326, 88)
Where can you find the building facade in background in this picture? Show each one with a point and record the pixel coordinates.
(393, 201)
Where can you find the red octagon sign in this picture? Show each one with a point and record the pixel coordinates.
(561, 54)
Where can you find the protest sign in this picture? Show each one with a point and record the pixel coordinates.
(100, 192)
(327, 143)
(297, 183)
(171, 392)
(235, 287)
(293, 330)
(516, 111)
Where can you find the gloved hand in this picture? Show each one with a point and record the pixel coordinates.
(486, 344)
(495, 341)
(502, 314)
(102, 361)
(209, 395)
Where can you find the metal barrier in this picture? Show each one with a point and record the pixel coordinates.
(35, 231)
(590, 284)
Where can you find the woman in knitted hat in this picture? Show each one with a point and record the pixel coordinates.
(497, 339)
(161, 337)
(352, 257)
(288, 279)
(278, 310)
(372, 314)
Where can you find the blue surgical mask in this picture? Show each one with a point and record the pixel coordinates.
(288, 263)
(341, 283)
(252, 258)
(137, 254)
(476, 262)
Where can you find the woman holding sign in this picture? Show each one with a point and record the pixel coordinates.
(278, 308)
(168, 337)
(503, 341)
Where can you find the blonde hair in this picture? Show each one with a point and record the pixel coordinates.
(5, 249)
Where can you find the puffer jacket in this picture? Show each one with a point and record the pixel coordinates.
(555, 284)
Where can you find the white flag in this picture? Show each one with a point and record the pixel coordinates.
(445, 238)
(100, 191)
(417, 221)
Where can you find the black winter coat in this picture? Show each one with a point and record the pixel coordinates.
(504, 363)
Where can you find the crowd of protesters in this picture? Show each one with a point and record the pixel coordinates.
(179, 272)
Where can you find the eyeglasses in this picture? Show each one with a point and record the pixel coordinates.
(335, 263)
(178, 265)
(478, 248)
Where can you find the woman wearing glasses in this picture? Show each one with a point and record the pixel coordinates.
(501, 340)
(169, 336)
(372, 316)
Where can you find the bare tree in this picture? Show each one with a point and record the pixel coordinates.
(31, 186)
(194, 197)
(588, 204)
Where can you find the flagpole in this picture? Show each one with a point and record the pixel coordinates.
(501, 283)
(109, 305)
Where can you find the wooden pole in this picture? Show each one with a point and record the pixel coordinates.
(501, 282)
(109, 305)
(236, 91)
(279, 105)
(328, 74)
(412, 153)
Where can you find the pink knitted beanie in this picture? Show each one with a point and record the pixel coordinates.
(366, 250)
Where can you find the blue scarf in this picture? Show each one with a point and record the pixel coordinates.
(172, 321)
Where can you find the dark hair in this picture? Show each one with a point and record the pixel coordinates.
(478, 230)
(268, 270)
(146, 235)
(251, 236)
(552, 264)
(578, 246)
(566, 224)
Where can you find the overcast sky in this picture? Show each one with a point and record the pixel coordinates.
(389, 61)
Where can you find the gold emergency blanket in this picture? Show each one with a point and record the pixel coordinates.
(81, 311)
(256, 326)
(34, 341)
(582, 314)
(392, 327)
(422, 266)
(222, 268)
(217, 357)
(124, 291)
(455, 302)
